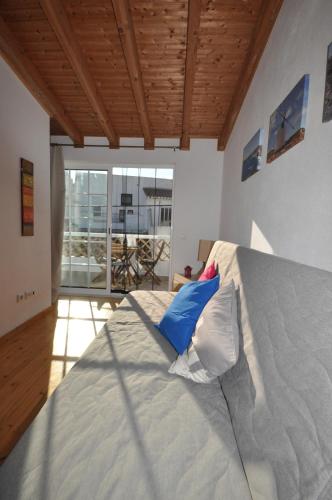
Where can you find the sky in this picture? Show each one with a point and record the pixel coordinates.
(160, 173)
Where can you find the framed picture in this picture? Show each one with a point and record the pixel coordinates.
(287, 123)
(252, 155)
(327, 110)
(27, 197)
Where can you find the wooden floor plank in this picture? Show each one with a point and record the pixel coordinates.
(29, 369)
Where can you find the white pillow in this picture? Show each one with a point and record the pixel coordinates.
(216, 337)
(188, 365)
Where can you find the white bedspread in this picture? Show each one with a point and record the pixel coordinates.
(121, 427)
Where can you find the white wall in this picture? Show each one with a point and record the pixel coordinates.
(286, 208)
(197, 186)
(24, 261)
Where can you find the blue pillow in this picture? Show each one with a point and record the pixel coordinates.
(179, 321)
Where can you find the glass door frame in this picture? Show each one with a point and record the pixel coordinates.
(86, 291)
(107, 292)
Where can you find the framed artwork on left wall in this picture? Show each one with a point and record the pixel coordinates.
(27, 218)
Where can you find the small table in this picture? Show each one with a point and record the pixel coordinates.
(178, 281)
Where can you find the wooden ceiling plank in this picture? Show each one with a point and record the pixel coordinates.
(268, 16)
(128, 41)
(194, 14)
(14, 55)
(225, 32)
(60, 23)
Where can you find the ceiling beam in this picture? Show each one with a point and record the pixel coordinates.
(14, 55)
(265, 23)
(60, 24)
(194, 17)
(128, 41)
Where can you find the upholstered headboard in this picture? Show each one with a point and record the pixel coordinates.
(280, 391)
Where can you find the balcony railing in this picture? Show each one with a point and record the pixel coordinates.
(87, 253)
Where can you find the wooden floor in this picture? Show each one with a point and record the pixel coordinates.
(36, 357)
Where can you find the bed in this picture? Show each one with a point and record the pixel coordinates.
(120, 426)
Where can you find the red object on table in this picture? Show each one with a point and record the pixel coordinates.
(187, 272)
(208, 273)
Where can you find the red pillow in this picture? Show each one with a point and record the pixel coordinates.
(208, 273)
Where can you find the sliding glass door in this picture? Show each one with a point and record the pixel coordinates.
(141, 228)
(84, 255)
(117, 229)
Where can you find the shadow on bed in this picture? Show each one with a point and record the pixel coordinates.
(133, 423)
(22, 451)
(192, 387)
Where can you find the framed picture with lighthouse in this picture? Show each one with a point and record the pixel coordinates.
(287, 123)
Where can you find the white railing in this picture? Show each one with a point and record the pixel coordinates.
(76, 253)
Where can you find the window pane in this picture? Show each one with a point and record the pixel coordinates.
(67, 177)
(79, 181)
(79, 199)
(78, 249)
(125, 181)
(100, 200)
(77, 212)
(164, 186)
(65, 275)
(98, 276)
(98, 226)
(98, 182)
(79, 275)
(85, 232)
(79, 225)
(122, 215)
(98, 252)
(65, 250)
(145, 226)
(117, 223)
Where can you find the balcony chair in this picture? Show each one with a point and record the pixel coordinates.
(122, 267)
(148, 258)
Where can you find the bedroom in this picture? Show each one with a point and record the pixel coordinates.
(206, 88)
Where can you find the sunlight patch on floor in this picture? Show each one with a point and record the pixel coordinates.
(78, 323)
(81, 333)
(60, 337)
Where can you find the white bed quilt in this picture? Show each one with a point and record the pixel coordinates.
(121, 427)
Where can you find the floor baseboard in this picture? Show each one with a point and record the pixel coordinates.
(30, 321)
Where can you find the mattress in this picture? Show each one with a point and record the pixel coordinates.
(121, 427)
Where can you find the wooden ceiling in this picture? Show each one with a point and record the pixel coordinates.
(137, 68)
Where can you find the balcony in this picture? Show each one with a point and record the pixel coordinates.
(137, 261)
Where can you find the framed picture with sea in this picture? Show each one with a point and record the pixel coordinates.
(27, 218)
(252, 155)
(287, 123)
